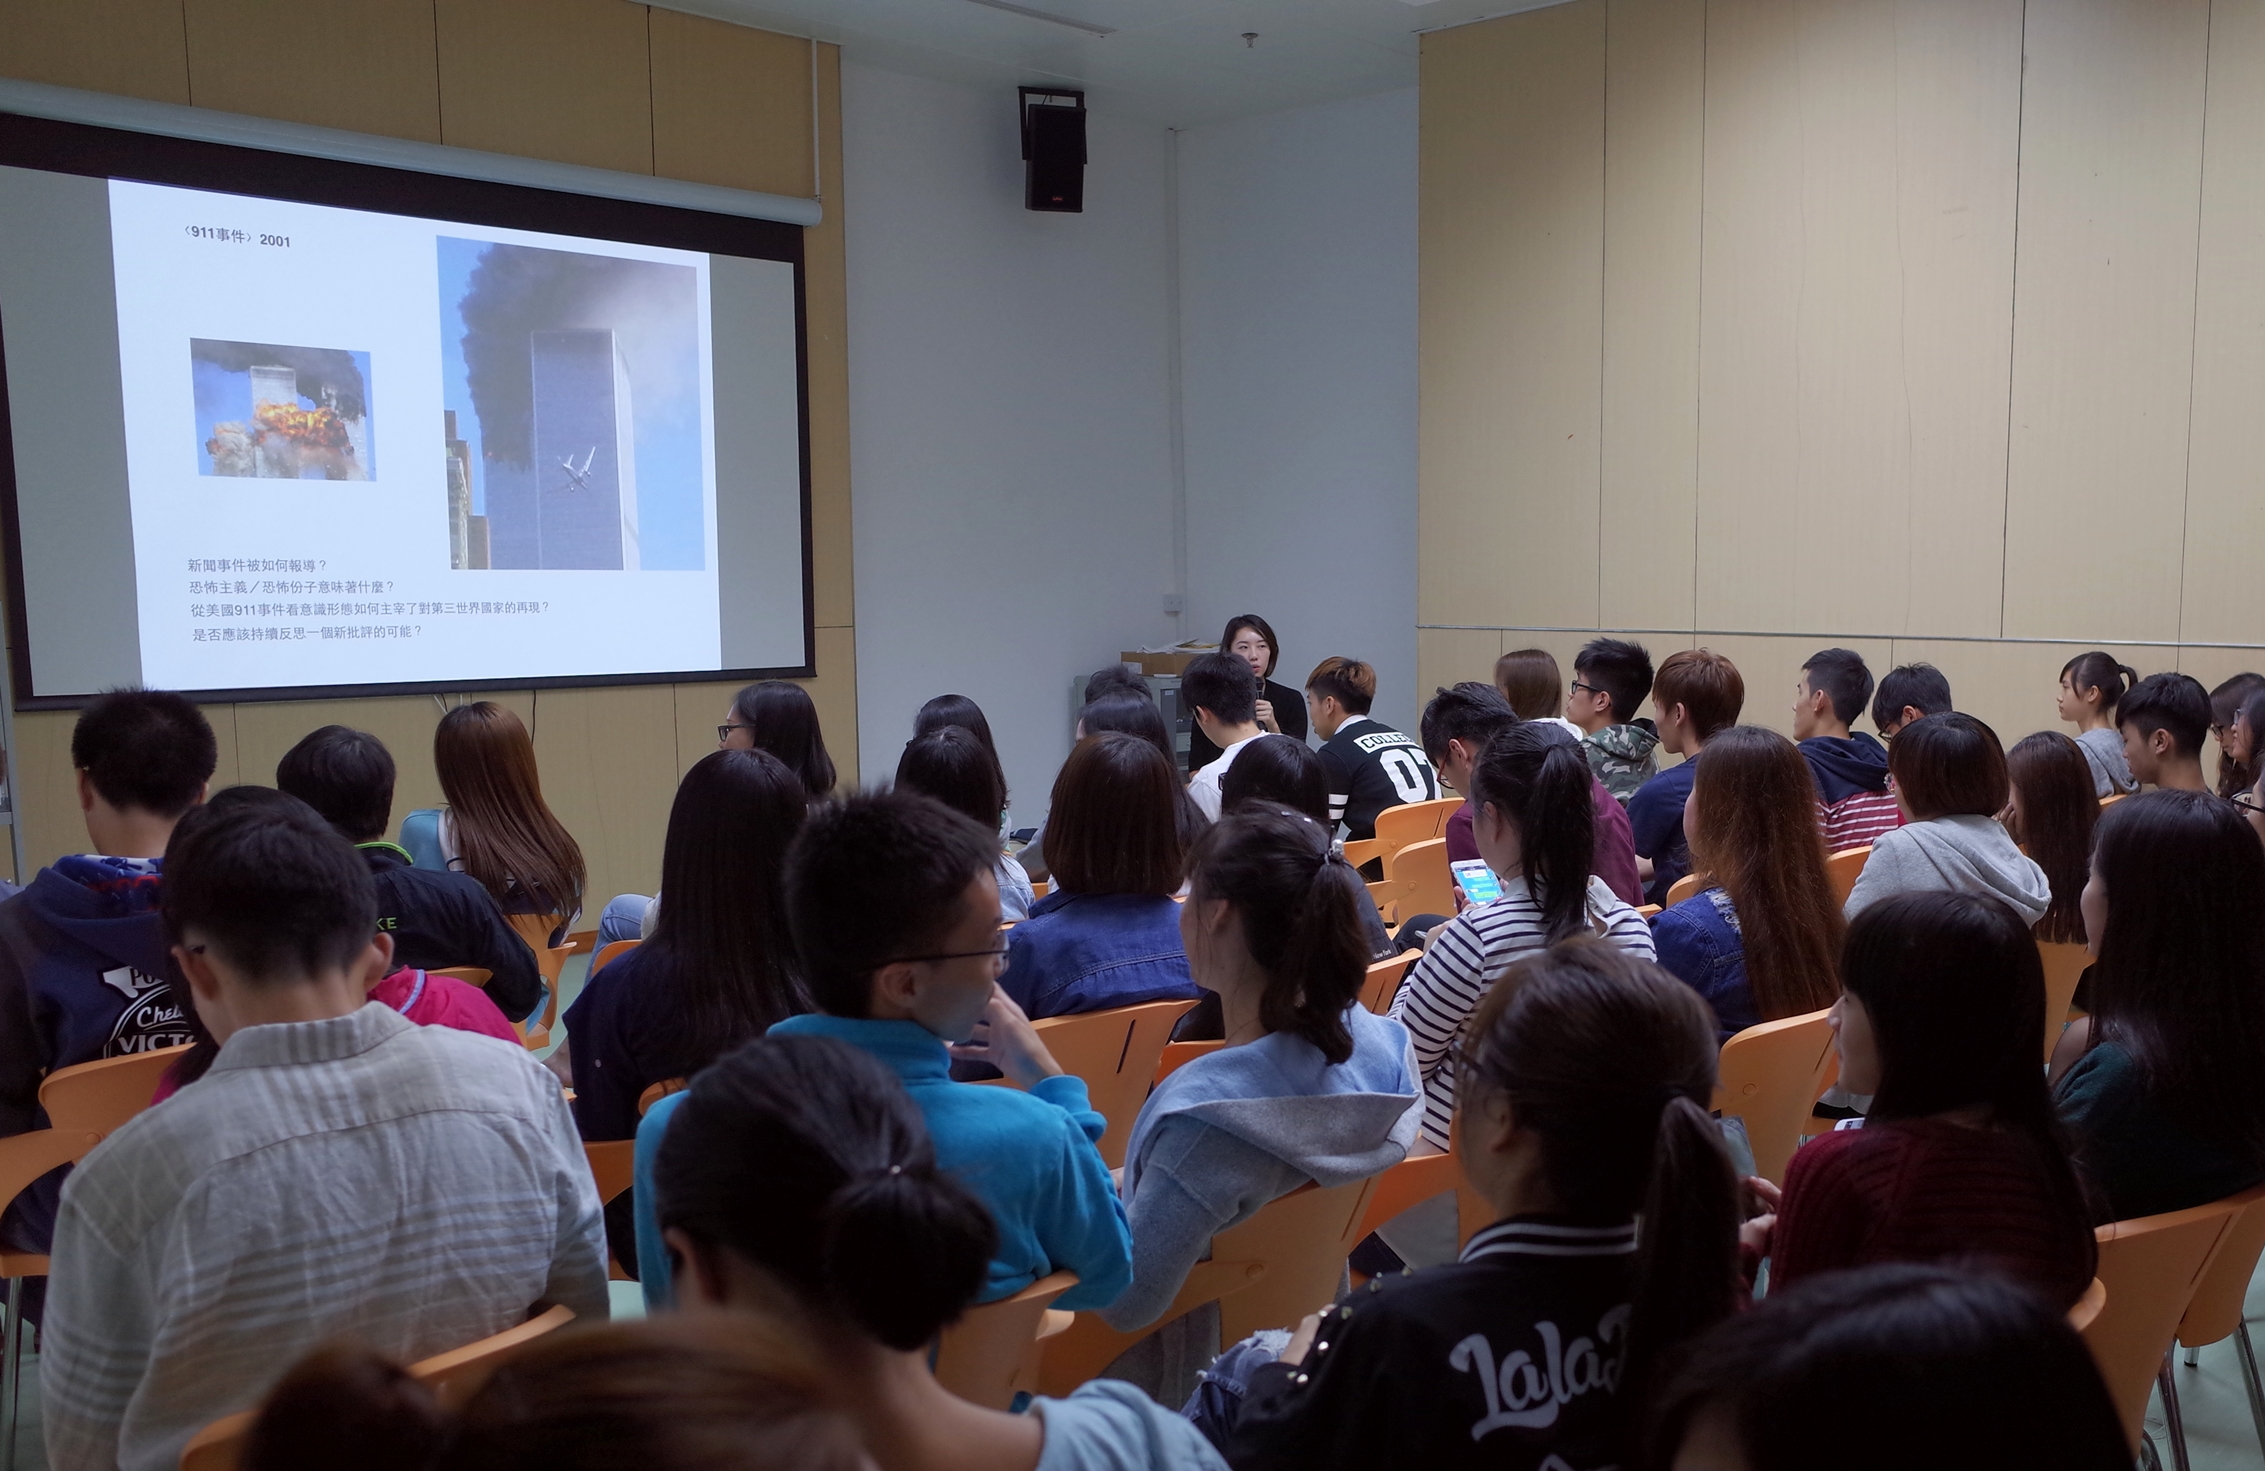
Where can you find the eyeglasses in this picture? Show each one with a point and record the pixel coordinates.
(2248, 804)
(723, 732)
(1579, 687)
(997, 953)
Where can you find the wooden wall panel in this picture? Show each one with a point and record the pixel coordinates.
(2225, 504)
(1511, 286)
(2105, 316)
(135, 48)
(825, 279)
(608, 759)
(1771, 668)
(2011, 686)
(563, 79)
(731, 106)
(1447, 656)
(368, 65)
(1654, 100)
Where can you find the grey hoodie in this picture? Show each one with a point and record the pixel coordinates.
(1964, 854)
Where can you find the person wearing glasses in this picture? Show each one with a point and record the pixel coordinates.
(1611, 678)
(778, 717)
(893, 904)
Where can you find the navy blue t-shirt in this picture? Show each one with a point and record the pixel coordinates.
(1655, 821)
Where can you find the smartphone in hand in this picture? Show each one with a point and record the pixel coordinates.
(1477, 881)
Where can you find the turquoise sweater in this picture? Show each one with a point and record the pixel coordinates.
(1030, 1156)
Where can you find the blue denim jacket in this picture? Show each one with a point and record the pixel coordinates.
(1698, 939)
(1090, 952)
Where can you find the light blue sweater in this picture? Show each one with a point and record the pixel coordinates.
(1029, 1156)
(1242, 1126)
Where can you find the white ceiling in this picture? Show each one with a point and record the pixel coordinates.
(1176, 62)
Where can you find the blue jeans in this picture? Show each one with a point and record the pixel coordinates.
(624, 919)
(1219, 1391)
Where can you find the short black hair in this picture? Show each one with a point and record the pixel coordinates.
(1949, 765)
(151, 749)
(2173, 702)
(346, 775)
(872, 878)
(1222, 684)
(1920, 686)
(1840, 674)
(1469, 712)
(951, 764)
(1116, 679)
(268, 884)
(1621, 669)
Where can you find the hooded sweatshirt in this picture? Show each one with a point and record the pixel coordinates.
(1964, 854)
(1852, 789)
(85, 973)
(1623, 757)
(1238, 1128)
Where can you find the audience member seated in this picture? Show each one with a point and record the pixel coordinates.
(775, 716)
(906, 980)
(1535, 828)
(2161, 1097)
(1309, 1086)
(1886, 1369)
(1281, 710)
(959, 710)
(1611, 677)
(2236, 773)
(1950, 775)
(1456, 726)
(1761, 941)
(84, 972)
(437, 920)
(2051, 815)
(2091, 684)
(1220, 695)
(1698, 693)
(1116, 698)
(682, 1393)
(2163, 719)
(497, 828)
(1959, 1159)
(1588, 1076)
(339, 1170)
(1371, 765)
(1108, 934)
(953, 765)
(799, 1184)
(1909, 692)
(1528, 679)
(1289, 774)
(1851, 768)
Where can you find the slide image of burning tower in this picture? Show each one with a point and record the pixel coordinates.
(281, 413)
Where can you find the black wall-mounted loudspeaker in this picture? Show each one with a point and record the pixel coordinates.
(1053, 151)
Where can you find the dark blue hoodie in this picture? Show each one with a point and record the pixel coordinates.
(85, 973)
(1846, 765)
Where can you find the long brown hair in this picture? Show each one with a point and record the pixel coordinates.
(506, 836)
(2053, 783)
(1757, 835)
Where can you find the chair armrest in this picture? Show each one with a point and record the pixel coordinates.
(26, 1157)
(1089, 1345)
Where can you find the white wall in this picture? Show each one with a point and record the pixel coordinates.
(1298, 341)
(1010, 424)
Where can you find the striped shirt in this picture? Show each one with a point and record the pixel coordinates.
(417, 1187)
(1853, 822)
(1465, 957)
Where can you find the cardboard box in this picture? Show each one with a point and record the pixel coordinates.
(1173, 661)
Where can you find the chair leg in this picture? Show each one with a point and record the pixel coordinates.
(11, 1356)
(2249, 1380)
(2193, 1356)
(2173, 1429)
(2148, 1460)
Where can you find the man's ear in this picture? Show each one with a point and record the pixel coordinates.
(894, 987)
(196, 966)
(699, 1275)
(2160, 742)
(86, 791)
(376, 960)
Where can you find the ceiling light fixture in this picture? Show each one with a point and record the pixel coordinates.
(1061, 20)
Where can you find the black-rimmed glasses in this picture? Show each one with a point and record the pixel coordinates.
(998, 953)
(723, 732)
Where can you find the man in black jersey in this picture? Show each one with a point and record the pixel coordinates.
(1371, 765)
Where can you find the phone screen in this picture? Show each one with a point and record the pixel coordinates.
(1477, 881)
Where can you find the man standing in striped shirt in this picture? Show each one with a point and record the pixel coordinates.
(339, 1170)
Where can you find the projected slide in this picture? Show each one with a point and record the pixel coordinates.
(362, 448)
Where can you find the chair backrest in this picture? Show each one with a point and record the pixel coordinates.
(1116, 1053)
(1770, 1076)
(470, 975)
(659, 1091)
(1431, 882)
(1178, 1055)
(2064, 967)
(1361, 850)
(613, 1165)
(536, 930)
(1303, 1238)
(1683, 888)
(420, 839)
(991, 1353)
(2216, 1310)
(1417, 1179)
(1842, 868)
(1386, 895)
(100, 1096)
(2151, 1267)
(1414, 822)
(2106, 802)
(611, 953)
(1384, 977)
(2088, 1306)
(1648, 912)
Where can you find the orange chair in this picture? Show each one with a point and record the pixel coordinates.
(536, 930)
(2107, 802)
(659, 1091)
(1683, 888)
(2151, 1267)
(470, 975)
(1116, 1053)
(1771, 1075)
(1417, 1179)
(1386, 895)
(1842, 868)
(1423, 867)
(613, 1165)
(1268, 1272)
(2088, 1306)
(1649, 912)
(1363, 850)
(2216, 1311)
(610, 954)
(453, 1377)
(1415, 822)
(2064, 967)
(1384, 977)
(1178, 1055)
(991, 1354)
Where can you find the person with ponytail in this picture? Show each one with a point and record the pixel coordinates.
(683, 1393)
(1588, 1076)
(1530, 813)
(1959, 1159)
(1761, 941)
(1309, 1085)
(797, 1183)
(2091, 684)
